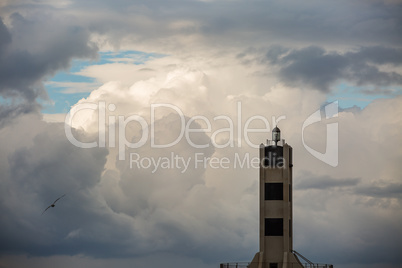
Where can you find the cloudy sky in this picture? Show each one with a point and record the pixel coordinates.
(119, 104)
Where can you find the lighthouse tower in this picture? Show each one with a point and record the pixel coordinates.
(276, 216)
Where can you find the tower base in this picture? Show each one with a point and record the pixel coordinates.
(289, 260)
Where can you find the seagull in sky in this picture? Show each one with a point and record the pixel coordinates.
(52, 205)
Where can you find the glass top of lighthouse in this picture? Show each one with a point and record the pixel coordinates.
(276, 135)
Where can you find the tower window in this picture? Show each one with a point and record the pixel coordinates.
(273, 191)
(273, 227)
(273, 157)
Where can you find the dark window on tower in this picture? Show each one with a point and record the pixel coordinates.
(273, 157)
(273, 227)
(273, 191)
(273, 265)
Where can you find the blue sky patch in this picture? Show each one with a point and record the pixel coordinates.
(66, 88)
(349, 96)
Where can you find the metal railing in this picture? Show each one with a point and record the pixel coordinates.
(235, 265)
(317, 265)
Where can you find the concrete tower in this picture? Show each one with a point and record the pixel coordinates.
(276, 216)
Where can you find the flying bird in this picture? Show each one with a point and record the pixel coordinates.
(52, 205)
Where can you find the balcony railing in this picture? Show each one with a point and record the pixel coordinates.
(235, 265)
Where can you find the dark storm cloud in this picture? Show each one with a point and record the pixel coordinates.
(356, 185)
(325, 182)
(8, 112)
(33, 178)
(5, 36)
(30, 50)
(167, 25)
(392, 190)
(317, 68)
(314, 22)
